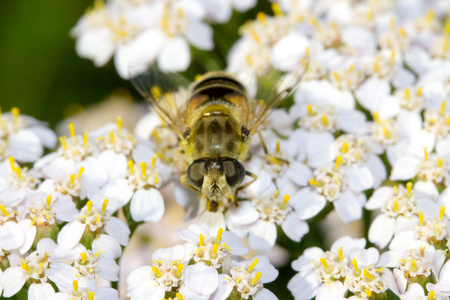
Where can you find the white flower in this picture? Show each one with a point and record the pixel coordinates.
(77, 292)
(213, 250)
(246, 280)
(321, 273)
(140, 35)
(89, 223)
(39, 269)
(259, 216)
(23, 137)
(399, 212)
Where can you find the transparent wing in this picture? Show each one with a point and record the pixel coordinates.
(269, 89)
(167, 92)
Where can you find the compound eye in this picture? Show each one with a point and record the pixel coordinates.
(234, 172)
(196, 172)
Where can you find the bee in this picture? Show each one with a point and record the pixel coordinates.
(215, 122)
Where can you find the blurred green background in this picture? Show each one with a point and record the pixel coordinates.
(39, 70)
(41, 73)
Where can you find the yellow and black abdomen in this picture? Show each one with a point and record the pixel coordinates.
(215, 112)
(216, 135)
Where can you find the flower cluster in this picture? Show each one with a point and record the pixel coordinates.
(141, 33)
(207, 266)
(367, 131)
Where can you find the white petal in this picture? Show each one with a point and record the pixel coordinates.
(223, 290)
(262, 236)
(335, 290)
(24, 146)
(46, 136)
(115, 164)
(62, 275)
(147, 291)
(13, 280)
(11, 236)
(294, 228)
(175, 55)
(348, 207)
(118, 230)
(370, 93)
(107, 246)
(96, 45)
(405, 168)
(265, 294)
(381, 230)
(137, 276)
(318, 149)
(289, 49)
(347, 243)
(379, 197)
(299, 173)
(352, 121)
(377, 169)
(147, 205)
(243, 5)
(94, 172)
(237, 247)
(71, 234)
(212, 220)
(199, 34)
(244, 214)
(176, 252)
(40, 291)
(359, 179)
(108, 269)
(305, 285)
(201, 279)
(307, 203)
(29, 232)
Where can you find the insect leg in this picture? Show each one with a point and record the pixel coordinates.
(253, 176)
(263, 144)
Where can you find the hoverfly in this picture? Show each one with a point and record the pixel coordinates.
(215, 123)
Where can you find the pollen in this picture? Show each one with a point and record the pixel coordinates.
(49, 200)
(75, 285)
(312, 181)
(91, 296)
(201, 240)
(409, 186)
(431, 295)
(4, 211)
(25, 267)
(310, 110)
(72, 180)
(324, 263)
(253, 264)
(443, 107)
(219, 234)
(154, 157)
(277, 10)
(215, 248)
(344, 148)
(143, 168)
(179, 296)
(72, 130)
(119, 123)
(256, 278)
(104, 205)
(131, 166)
(441, 213)
(325, 120)
(83, 257)
(85, 138)
(63, 142)
(421, 218)
(286, 198)
(156, 93)
(355, 264)
(376, 117)
(341, 253)
(338, 162)
(15, 112)
(156, 271)
(89, 205)
(179, 268)
(261, 18)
